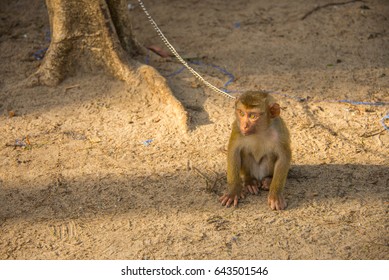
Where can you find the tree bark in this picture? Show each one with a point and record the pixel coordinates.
(90, 35)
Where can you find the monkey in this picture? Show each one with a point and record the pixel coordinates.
(259, 152)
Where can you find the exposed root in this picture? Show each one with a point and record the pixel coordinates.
(52, 70)
(159, 88)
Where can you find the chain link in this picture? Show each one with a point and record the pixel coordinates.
(176, 54)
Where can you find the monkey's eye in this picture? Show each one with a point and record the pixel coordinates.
(253, 116)
(241, 113)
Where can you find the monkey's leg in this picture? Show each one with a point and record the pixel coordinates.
(248, 173)
(265, 171)
(234, 164)
(266, 182)
(251, 185)
(276, 199)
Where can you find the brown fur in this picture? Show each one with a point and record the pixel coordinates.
(258, 150)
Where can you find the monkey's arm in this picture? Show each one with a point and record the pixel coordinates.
(234, 163)
(276, 199)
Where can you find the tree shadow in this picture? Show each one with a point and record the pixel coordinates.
(332, 181)
(89, 196)
(105, 92)
(193, 101)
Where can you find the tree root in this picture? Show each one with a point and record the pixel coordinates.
(159, 88)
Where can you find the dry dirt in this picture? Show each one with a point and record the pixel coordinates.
(93, 170)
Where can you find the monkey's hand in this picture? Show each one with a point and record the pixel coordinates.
(230, 198)
(276, 201)
(252, 186)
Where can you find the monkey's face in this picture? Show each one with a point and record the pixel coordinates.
(248, 119)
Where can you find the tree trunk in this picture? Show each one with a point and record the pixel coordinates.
(93, 35)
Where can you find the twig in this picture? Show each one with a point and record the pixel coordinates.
(328, 5)
(210, 184)
(366, 135)
(70, 87)
(200, 173)
(215, 183)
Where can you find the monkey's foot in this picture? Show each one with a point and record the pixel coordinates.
(276, 202)
(265, 183)
(252, 186)
(228, 199)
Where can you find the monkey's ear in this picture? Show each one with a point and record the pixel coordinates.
(275, 110)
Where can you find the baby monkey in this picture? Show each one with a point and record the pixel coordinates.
(259, 151)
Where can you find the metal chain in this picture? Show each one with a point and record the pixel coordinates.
(173, 50)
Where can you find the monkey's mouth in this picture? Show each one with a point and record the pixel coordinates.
(246, 132)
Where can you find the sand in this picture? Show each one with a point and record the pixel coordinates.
(91, 169)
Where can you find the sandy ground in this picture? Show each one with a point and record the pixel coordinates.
(92, 170)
